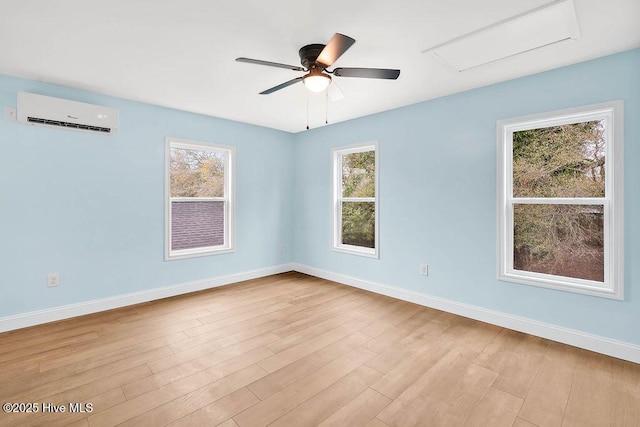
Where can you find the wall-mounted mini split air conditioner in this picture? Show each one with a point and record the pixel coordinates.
(39, 110)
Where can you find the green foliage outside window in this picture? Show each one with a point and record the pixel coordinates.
(358, 180)
(565, 161)
(196, 173)
(358, 224)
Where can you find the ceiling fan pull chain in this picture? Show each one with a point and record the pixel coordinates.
(326, 107)
(307, 109)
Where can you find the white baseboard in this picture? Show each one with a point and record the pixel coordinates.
(72, 310)
(610, 347)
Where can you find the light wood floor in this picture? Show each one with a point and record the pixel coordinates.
(292, 350)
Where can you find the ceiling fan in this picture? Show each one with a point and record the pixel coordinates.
(316, 58)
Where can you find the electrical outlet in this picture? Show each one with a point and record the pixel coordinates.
(424, 270)
(53, 280)
(9, 113)
(281, 248)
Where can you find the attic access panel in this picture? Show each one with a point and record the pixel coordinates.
(531, 30)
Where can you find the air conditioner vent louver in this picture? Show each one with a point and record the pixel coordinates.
(39, 110)
(67, 124)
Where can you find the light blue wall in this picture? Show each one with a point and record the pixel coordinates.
(91, 207)
(438, 195)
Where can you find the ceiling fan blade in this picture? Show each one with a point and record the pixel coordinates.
(335, 94)
(270, 64)
(281, 86)
(338, 45)
(370, 73)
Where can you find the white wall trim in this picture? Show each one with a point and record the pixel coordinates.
(32, 318)
(610, 347)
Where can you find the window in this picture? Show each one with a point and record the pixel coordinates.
(560, 200)
(355, 199)
(199, 199)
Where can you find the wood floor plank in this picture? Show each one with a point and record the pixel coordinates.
(209, 327)
(625, 410)
(517, 358)
(586, 408)
(376, 423)
(329, 309)
(500, 350)
(214, 351)
(253, 304)
(297, 352)
(310, 332)
(360, 411)
(415, 340)
(101, 355)
(473, 334)
(84, 392)
(134, 334)
(386, 307)
(224, 336)
(189, 391)
(393, 336)
(520, 422)
(113, 342)
(547, 397)
(280, 403)
(228, 423)
(588, 360)
(496, 409)
(325, 403)
(223, 366)
(81, 423)
(42, 334)
(399, 315)
(197, 399)
(626, 374)
(412, 367)
(41, 386)
(289, 374)
(428, 399)
(51, 346)
(453, 403)
(219, 411)
(264, 323)
(280, 298)
(17, 370)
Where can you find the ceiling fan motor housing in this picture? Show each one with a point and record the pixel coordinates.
(309, 54)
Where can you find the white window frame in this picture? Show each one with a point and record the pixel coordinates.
(229, 199)
(613, 284)
(337, 199)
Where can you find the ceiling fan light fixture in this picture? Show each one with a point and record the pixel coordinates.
(316, 82)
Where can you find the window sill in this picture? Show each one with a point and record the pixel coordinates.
(184, 254)
(577, 286)
(355, 250)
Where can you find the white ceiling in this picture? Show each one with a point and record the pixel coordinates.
(181, 54)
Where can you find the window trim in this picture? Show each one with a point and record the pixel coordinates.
(336, 184)
(229, 198)
(611, 111)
